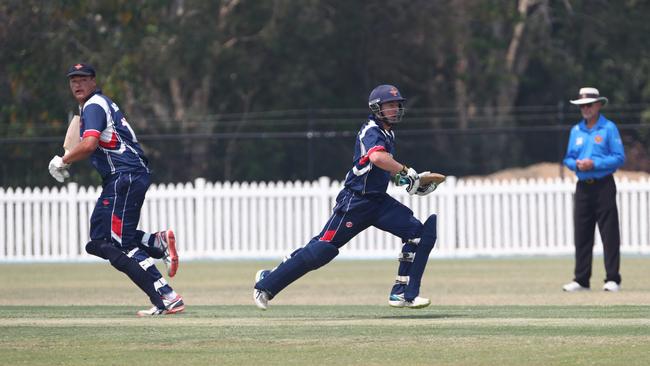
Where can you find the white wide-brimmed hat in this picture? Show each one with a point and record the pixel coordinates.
(589, 95)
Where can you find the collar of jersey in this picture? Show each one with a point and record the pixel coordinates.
(378, 123)
(599, 124)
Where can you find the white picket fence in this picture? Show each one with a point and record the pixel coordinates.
(269, 220)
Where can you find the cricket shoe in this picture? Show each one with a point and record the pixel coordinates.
(167, 240)
(171, 307)
(573, 286)
(398, 301)
(154, 311)
(261, 297)
(611, 286)
(174, 306)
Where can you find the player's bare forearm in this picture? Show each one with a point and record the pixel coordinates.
(386, 162)
(83, 150)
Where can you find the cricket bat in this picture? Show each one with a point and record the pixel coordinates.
(428, 177)
(72, 135)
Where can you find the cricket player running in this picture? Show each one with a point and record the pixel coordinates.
(362, 203)
(111, 144)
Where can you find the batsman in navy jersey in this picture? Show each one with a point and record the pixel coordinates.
(111, 144)
(362, 203)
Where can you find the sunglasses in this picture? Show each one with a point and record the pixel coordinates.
(587, 105)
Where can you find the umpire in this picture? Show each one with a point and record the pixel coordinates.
(594, 152)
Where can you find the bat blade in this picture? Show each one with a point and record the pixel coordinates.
(72, 135)
(432, 178)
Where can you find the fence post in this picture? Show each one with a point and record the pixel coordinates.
(18, 222)
(73, 221)
(10, 226)
(324, 184)
(28, 224)
(449, 239)
(200, 224)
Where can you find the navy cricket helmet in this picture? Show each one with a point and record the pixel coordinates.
(383, 94)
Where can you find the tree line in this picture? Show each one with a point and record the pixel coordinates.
(200, 68)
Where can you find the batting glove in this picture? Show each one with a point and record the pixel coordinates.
(408, 177)
(426, 189)
(58, 169)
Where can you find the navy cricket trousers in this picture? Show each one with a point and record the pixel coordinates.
(354, 213)
(115, 220)
(117, 211)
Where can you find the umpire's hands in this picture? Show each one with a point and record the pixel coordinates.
(584, 164)
(58, 169)
(408, 177)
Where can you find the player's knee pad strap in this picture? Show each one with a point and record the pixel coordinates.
(318, 254)
(406, 256)
(402, 280)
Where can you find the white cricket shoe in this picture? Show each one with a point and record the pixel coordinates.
(154, 311)
(398, 301)
(171, 307)
(573, 286)
(611, 286)
(261, 297)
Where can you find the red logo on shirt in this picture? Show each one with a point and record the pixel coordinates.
(105, 202)
(348, 224)
(598, 139)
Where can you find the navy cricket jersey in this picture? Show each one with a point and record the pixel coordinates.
(364, 177)
(118, 149)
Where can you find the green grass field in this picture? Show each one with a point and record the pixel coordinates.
(484, 312)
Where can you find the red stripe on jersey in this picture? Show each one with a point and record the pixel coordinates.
(93, 133)
(109, 144)
(329, 234)
(366, 157)
(116, 226)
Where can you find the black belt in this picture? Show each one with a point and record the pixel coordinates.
(595, 180)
